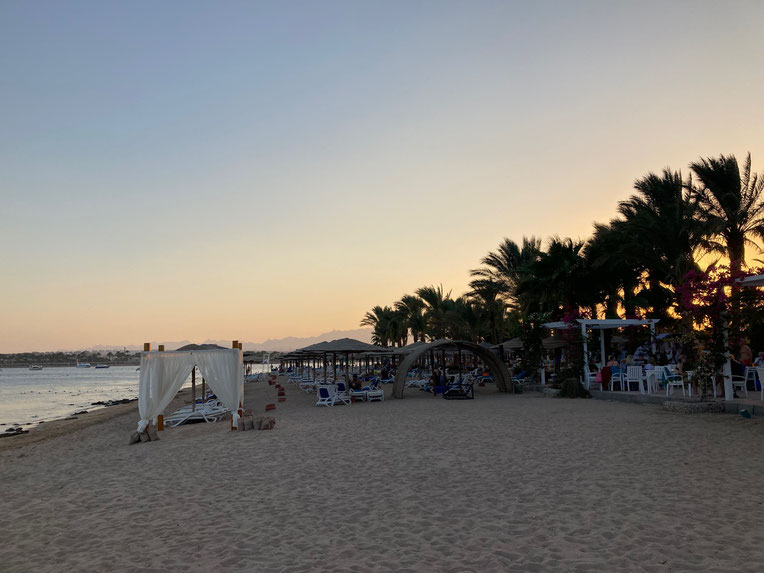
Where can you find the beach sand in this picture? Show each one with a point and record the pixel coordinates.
(501, 483)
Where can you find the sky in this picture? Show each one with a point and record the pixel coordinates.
(251, 170)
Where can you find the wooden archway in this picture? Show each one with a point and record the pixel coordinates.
(501, 376)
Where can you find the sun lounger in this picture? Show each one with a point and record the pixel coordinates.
(460, 389)
(341, 395)
(212, 411)
(369, 393)
(324, 397)
(375, 395)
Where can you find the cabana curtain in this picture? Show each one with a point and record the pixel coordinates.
(163, 374)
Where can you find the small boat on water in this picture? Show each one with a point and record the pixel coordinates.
(101, 365)
(35, 367)
(83, 365)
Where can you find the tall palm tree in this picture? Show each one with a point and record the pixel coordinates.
(506, 265)
(382, 321)
(487, 294)
(436, 304)
(616, 270)
(733, 204)
(558, 280)
(464, 319)
(663, 233)
(411, 309)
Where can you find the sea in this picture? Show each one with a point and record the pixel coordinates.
(28, 397)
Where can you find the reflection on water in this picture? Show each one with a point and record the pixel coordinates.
(52, 393)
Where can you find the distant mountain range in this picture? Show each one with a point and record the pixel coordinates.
(270, 345)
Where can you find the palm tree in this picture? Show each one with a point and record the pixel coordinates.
(487, 294)
(557, 281)
(506, 265)
(662, 233)
(435, 307)
(463, 318)
(617, 272)
(382, 321)
(733, 204)
(411, 309)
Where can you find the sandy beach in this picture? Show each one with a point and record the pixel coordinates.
(501, 483)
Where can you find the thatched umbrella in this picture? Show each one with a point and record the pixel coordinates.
(512, 344)
(551, 342)
(346, 346)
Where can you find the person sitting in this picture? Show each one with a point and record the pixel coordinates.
(745, 355)
(759, 362)
(355, 383)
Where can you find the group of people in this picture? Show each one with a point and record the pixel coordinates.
(682, 358)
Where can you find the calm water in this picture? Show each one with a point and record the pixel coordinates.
(52, 393)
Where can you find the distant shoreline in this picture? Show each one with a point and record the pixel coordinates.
(62, 364)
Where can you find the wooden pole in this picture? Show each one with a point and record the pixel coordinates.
(160, 417)
(193, 389)
(204, 390)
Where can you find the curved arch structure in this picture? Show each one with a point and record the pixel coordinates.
(501, 376)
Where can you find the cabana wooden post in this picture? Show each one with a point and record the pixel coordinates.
(193, 389)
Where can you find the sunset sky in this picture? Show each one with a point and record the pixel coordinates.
(253, 170)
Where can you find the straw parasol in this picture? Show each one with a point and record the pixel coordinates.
(346, 346)
(551, 342)
(513, 344)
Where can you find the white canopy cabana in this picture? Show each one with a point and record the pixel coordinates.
(590, 324)
(163, 374)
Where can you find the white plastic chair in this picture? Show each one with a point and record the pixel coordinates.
(740, 382)
(652, 380)
(591, 378)
(672, 380)
(633, 375)
(616, 377)
(750, 374)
